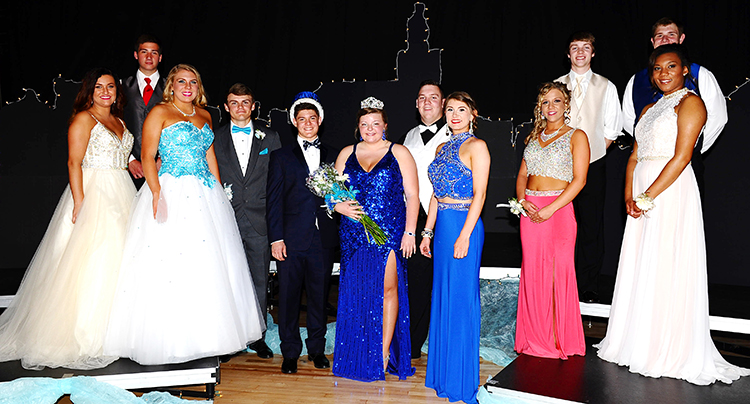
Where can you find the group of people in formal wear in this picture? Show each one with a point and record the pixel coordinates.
(120, 272)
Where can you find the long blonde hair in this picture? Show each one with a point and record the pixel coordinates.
(168, 97)
(540, 123)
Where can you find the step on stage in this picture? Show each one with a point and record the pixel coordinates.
(591, 380)
(129, 375)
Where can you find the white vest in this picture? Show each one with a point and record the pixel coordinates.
(589, 118)
(423, 155)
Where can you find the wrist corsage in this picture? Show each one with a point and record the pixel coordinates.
(516, 206)
(644, 202)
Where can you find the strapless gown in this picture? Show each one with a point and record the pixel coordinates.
(359, 324)
(184, 290)
(58, 317)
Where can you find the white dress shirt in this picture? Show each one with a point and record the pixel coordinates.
(423, 155)
(243, 143)
(312, 154)
(142, 83)
(716, 107)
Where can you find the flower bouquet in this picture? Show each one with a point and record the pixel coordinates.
(328, 184)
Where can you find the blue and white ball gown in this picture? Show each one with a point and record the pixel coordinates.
(359, 323)
(184, 290)
(58, 317)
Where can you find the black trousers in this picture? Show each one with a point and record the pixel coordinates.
(589, 210)
(310, 269)
(419, 274)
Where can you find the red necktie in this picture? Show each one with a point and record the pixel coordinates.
(147, 91)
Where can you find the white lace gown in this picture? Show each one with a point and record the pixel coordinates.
(658, 324)
(184, 290)
(58, 317)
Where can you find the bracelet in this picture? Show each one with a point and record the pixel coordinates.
(427, 233)
(408, 233)
(522, 200)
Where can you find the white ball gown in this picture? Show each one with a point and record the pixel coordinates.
(184, 290)
(658, 323)
(58, 317)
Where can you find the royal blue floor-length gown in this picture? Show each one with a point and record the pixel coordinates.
(359, 329)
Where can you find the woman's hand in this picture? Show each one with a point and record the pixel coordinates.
(408, 245)
(350, 209)
(461, 247)
(424, 247)
(632, 209)
(76, 210)
(529, 207)
(159, 205)
(542, 215)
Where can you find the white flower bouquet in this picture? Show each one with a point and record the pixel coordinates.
(328, 184)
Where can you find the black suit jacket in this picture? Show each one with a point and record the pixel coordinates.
(249, 190)
(291, 208)
(136, 111)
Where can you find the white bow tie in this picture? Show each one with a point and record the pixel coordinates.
(432, 128)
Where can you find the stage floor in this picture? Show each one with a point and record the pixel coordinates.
(591, 380)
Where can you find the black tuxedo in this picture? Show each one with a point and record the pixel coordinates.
(291, 213)
(136, 110)
(249, 198)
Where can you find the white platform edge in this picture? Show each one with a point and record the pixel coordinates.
(146, 380)
(526, 397)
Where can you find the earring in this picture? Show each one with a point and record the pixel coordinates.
(471, 127)
(566, 114)
(383, 135)
(360, 138)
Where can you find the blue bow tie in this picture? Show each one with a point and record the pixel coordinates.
(315, 143)
(248, 130)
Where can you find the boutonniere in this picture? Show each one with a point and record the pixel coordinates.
(228, 191)
(259, 134)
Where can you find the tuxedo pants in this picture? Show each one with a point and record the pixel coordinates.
(419, 276)
(309, 269)
(589, 213)
(258, 254)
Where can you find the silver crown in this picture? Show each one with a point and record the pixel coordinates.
(372, 102)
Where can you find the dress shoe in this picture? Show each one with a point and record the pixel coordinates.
(590, 297)
(261, 349)
(289, 365)
(319, 360)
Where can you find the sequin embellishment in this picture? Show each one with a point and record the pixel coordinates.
(656, 132)
(554, 160)
(183, 147)
(105, 150)
(449, 175)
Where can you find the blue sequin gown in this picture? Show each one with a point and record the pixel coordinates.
(455, 316)
(191, 269)
(359, 329)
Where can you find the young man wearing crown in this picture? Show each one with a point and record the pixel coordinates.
(302, 235)
(422, 142)
(242, 151)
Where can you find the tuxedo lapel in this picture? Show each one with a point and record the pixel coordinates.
(323, 153)
(297, 151)
(227, 145)
(255, 148)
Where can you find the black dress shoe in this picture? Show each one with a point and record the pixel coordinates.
(289, 365)
(590, 297)
(319, 360)
(261, 349)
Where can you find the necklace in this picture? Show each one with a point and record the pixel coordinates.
(677, 94)
(184, 114)
(545, 137)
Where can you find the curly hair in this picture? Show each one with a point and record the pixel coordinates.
(540, 123)
(85, 97)
(200, 99)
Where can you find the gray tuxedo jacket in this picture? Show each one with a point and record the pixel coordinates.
(249, 190)
(136, 110)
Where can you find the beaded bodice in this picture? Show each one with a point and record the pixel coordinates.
(449, 175)
(554, 160)
(656, 131)
(105, 150)
(182, 147)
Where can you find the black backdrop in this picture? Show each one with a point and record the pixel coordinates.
(497, 51)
